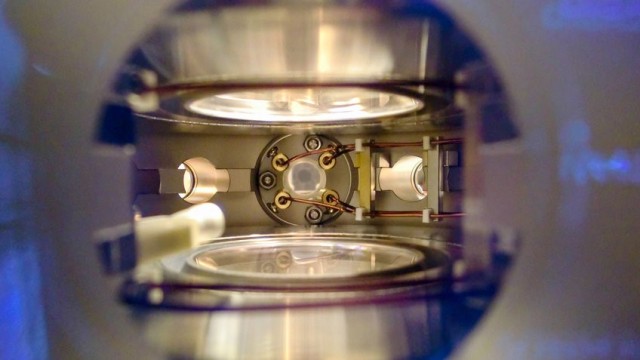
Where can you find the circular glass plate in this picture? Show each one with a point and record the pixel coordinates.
(306, 259)
(304, 104)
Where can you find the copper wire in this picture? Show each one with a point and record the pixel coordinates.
(448, 215)
(395, 214)
(383, 145)
(305, 154)
(447, 141)
(318, 203)
(343, 149)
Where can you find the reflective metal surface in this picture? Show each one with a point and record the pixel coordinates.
(404, 330)
(306, 259)
(329, 42)
(357, 320)
(294, 45)
(303, 259)
(405, 178)
(304, 105)
(557, 58)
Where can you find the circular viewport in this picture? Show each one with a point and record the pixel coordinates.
(304, 105)
(307, 259)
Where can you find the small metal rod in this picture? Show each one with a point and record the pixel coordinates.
(339, 150)
(447, 141)
(383, 145)
(414, 214)
(395, 214)
(343, 149)
(318, 203)
(346, 206)
(413, 143)
(448, 215)
(305, 154)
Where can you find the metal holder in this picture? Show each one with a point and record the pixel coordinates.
(281, 159)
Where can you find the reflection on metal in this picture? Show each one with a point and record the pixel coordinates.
(202, 180)
(307, 259)
(366, 187)
(404, 330)
(332, 42)
(285, 65)
(432, 162)
(406, 179)
(311, 268)
(304, 105)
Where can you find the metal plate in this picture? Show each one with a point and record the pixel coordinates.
(340, 179)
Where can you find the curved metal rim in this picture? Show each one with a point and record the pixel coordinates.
(439, 268)
(174, 96)
(417, 105)
(316, 243)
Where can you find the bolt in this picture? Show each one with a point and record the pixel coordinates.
(267, 180)
(268, 268)
(283, 259)
(272, 152)
(312, 143)
(313, 215)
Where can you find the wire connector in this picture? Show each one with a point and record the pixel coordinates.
(426, 143)
(426, 216)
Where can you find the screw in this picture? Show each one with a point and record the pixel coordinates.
(283, 259)
(268, 268)
(313, 215)
(312, 143)
(272, 152)
(267, 180)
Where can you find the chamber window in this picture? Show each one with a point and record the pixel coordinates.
(305, 178)
(304, 105)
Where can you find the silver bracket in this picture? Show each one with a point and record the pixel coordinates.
(431, 160)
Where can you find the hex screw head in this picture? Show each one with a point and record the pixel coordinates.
(313, 215)
(267, 180)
